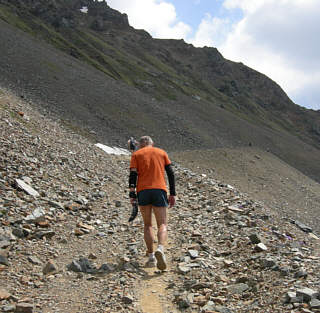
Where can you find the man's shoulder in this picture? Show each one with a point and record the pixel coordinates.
(158, 149)
(149, 150)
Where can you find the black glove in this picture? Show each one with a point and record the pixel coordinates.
(132, 195)
(134, 212)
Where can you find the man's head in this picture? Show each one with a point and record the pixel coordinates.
(145, 141)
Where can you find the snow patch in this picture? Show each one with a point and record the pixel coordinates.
(112, 150)
(84, 10)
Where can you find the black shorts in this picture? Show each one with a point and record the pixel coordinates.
(156, 197)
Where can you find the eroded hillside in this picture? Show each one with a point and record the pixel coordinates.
(69, 248)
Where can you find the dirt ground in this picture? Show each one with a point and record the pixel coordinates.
(263, 176)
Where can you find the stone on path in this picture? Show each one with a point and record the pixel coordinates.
(303, 227)
(193, 253)
(255, 239)
(26, 188)
(182, 269)
(314, 304)
(307, 294)
(8, 308)
(37, 215)
(238, 288)
(81, 265)
(127, 299)
(24, 308)
(49, 268)
(34, 260)
(260, 247)
(4, 260)
(4, 294)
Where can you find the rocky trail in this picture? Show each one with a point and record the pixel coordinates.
(66, 245)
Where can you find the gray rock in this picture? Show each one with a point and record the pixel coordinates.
(254, 238)
(82, 200)
(209, 306)
(24, 308)
(193, 253)
(19, 232)
(291, 297)
(41, 234)
(81, 265)
(183, 304)
(303, 227)
(4, 260)
(49, 268)
(4, 244)
(36, 215)
(107, 268)
(182, 269)
(260, 247)
(284, 271)
(127, 299)
(26, 188)
(314, 304)
(301, 274)
(238, 288)
(307, 294)
(34, 260)
(56, 205)
(8, 308)
(268, 263)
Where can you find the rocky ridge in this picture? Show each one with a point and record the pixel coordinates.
(66, 245)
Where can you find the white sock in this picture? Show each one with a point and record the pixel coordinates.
(151, 256)
(160, 247)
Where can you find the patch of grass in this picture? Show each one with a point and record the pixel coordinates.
(77, 129)
(123, 64)
(159, 65)
(11, 17)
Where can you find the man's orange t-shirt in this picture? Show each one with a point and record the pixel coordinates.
(150, 163)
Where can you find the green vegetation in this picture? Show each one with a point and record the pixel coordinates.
(77, 129)
(12, 18)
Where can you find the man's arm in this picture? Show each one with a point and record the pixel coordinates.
(132, 183)
(172, 184)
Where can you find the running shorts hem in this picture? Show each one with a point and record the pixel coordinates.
(155, 197)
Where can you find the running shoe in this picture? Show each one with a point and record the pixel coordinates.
(161, 260)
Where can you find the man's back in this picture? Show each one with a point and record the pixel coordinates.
(150, 163)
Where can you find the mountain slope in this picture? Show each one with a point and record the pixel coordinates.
(71, 249)
(163, 68)
(99, 74)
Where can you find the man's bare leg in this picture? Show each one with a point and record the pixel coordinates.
(146, 212)
(161, 218)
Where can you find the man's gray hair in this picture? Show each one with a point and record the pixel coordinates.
(145, 141)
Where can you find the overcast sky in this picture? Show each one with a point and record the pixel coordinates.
(279, 38)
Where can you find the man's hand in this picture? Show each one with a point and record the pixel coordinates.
(132, 196)
(172, 201)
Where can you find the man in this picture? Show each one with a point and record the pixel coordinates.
(147, 177)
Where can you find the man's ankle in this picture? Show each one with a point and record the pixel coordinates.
(160, 247)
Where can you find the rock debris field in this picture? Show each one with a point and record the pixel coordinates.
(66, 245)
